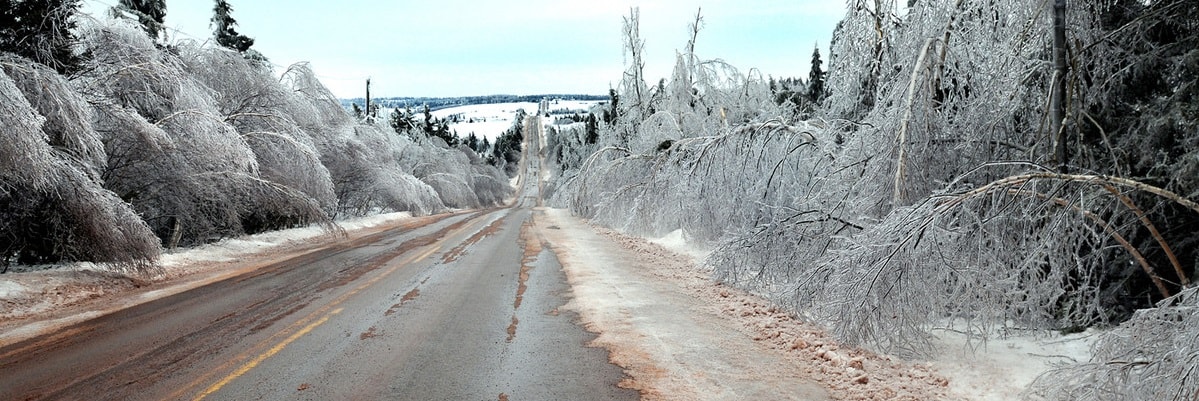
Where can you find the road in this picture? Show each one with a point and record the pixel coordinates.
(463, 306)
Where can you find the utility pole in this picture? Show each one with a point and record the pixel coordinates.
(369, 113)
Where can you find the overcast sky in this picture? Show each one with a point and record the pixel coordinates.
(471, 47)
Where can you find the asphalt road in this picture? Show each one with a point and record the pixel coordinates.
(462, 307)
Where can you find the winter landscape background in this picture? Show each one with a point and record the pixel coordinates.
(988, 169)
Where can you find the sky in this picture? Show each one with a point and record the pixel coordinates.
(447, 48)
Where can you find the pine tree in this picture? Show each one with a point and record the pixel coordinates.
(40, 30)
(472, 141)
(400, 120)
(428, 126)
(816, 78)
(612, 113)
(592, 129)
(224, 33)
(150, 13)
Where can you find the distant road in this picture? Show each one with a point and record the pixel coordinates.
(461, 307)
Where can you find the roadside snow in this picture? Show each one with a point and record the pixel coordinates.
(681, 336)
(676, 241)
(38, 300)
(1000, 369)
(232, 249)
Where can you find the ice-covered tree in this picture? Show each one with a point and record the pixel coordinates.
(148, 147)
(52, 205)
(859, 219)
(401, 121)
(592, 130)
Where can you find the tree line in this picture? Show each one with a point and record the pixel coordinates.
(973, 166)
(131, 145)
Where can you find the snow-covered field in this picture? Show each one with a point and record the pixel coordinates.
(565, 107)
(491, 120)
(485, 120)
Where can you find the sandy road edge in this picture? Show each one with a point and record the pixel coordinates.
(805, 350)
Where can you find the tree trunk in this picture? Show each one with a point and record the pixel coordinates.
(1057, 106)
(176, 234)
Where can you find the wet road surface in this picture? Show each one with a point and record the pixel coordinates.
(459, 307)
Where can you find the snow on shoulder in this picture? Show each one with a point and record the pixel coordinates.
(52, 296)
(681, 336)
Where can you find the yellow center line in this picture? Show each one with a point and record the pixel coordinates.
(245, 368)
(269, 353)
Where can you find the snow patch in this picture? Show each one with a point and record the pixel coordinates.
(677, 241)
(1001, 368)
(10, 288)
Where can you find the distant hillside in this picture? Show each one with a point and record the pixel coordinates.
(436, 103)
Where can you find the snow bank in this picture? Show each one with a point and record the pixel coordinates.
(231, 249)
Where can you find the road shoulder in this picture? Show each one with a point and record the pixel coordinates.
(41, 301)
(681, 336)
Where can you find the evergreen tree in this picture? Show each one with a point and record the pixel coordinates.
(472, 141)
(40, 30)
(592, 129)
(150, 13)
(428, 127)
(816, 78)
(400, 120)
(611, 114)
(224, 33)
